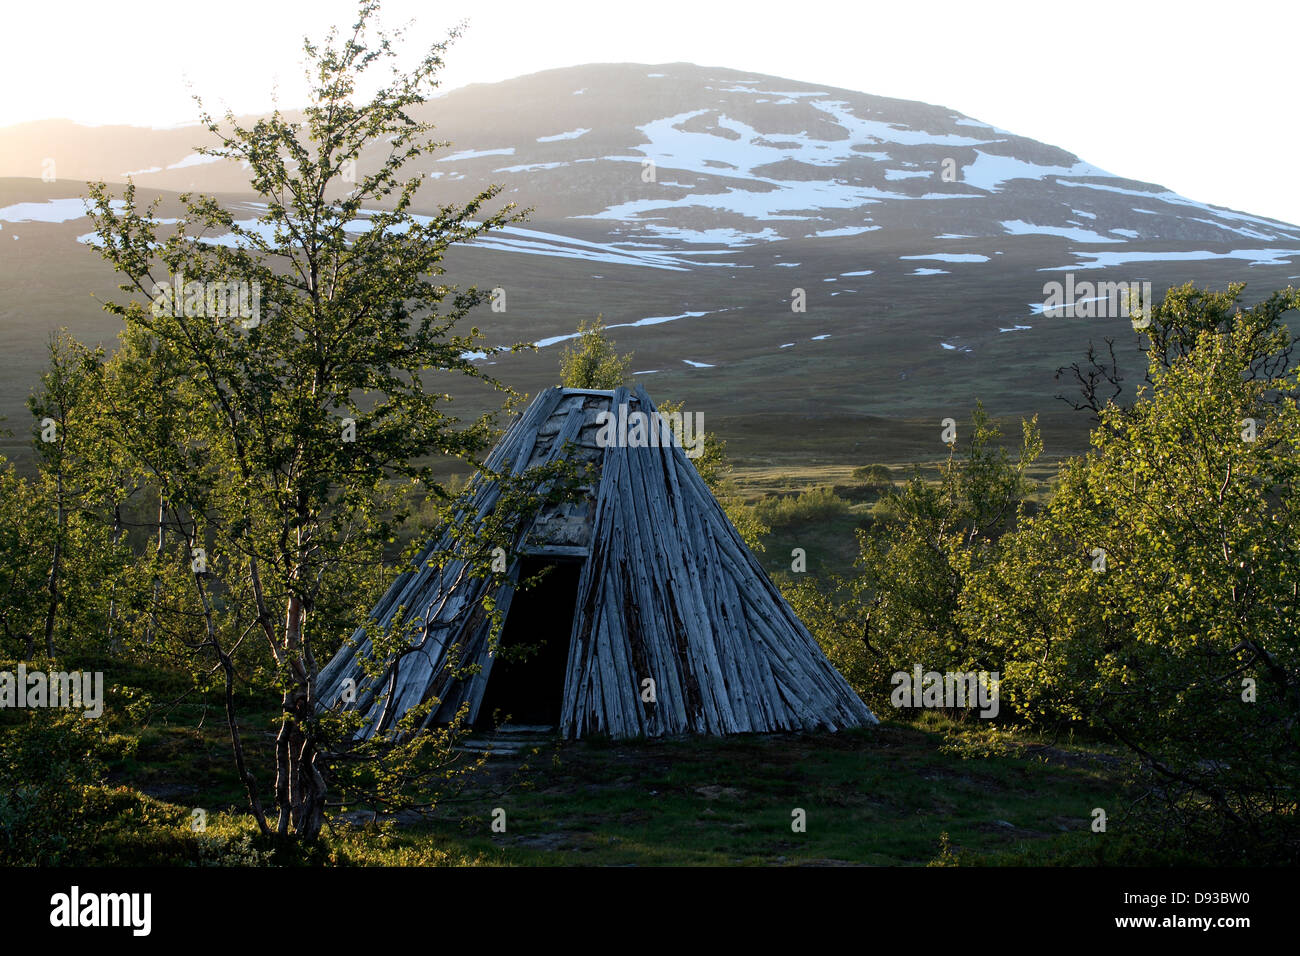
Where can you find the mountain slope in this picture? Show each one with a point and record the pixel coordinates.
(738, 156)
(923, 290)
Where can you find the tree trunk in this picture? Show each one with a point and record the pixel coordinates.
(299, 787)
(52, 583)
(118, 530)
(157, 581)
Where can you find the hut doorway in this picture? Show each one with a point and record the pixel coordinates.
(526, 684)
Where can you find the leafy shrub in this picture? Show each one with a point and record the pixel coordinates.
(47, 760)
(925, 541)
(856, 493)
(815, 504)
(831, 612)
(1155, 596)
(591, 361)
(873, 475)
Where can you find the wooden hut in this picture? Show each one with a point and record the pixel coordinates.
(653, 618)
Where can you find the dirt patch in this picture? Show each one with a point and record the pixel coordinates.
(169, 792)
(1071, 758)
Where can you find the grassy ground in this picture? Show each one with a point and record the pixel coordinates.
(896, 794)
(885, 796)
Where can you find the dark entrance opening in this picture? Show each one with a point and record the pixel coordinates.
(527, 679)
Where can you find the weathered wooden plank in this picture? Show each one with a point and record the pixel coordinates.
(683, 632)
(723, 675)
(795, 643)
(579, 681)
(724, 605)
(666, 640)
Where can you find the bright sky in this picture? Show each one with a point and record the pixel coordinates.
(1197, 96)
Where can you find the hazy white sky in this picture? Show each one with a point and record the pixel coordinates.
(1198, 96)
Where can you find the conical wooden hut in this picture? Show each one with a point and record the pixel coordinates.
(654, 618)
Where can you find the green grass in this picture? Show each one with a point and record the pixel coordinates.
(891, 795)
(882, 796)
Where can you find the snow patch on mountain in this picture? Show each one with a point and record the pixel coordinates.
(951, 257)
(990, 171)
(846, 231)
(721, 236)
(52, 210)
(1167, 196)
(1103, 260)
(1018, 227)
(571, 134)
(195, 159)
(527, 167)
(477, 154)
(651, 320)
